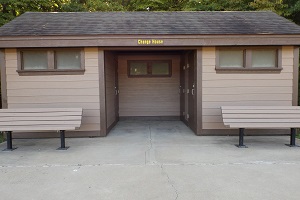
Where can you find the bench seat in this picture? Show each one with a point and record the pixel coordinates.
(39, 119)
(271, 117)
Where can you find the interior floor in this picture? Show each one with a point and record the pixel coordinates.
(150, 128)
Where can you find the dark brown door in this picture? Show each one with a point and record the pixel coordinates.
(182, 88)
(188, 90)
(192, 90)
(117, 91)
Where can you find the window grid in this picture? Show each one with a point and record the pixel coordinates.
(51, 65)
(149, 66)
(247, 58)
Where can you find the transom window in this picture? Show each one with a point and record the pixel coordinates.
(149, 68)
(235, 58)
(57, 61)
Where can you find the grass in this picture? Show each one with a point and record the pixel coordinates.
(1, 137)
(298, 133)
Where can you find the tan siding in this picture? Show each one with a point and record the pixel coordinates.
(149, 96)
(244, 88)
(110, 75)
(57, 91)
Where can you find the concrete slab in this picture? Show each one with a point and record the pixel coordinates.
(151, 160)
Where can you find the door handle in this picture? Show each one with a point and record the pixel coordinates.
(193, 91)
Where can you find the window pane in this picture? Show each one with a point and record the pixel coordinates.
(68, 59)
(34, 60)
(138, 68)
(231, 58)
(160, 68)
(264, 58)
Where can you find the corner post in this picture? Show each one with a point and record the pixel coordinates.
(241, 138)
(62, 141)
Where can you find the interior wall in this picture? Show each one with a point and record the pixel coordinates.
(149, 96)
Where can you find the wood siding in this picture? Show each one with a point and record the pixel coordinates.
(61, 91)
(243, 88)
(149, 96)
(110, 80)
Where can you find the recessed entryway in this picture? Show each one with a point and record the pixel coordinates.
(156, 84)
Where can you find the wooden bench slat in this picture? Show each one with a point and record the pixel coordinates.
(261, 116)
(32, 123)
(53, 118)
(45, 114)
(264, 125)
(38, 110)
(260, 107)
(261, 120)
(260, 111)
(39, 128)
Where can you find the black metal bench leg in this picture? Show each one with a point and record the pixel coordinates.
(293, 138)
(9, 141)
(241, 139)
(62, 141)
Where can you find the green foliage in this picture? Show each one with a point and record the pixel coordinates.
(13, 8)
(9, 9)
(217, 5)
(1, 137)
(274, 5)
(293, 10)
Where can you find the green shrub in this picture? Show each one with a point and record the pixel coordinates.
(1, 137)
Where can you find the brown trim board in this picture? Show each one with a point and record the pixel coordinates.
(102, 99)
(131, 40)
(3, 79)
(296, 76)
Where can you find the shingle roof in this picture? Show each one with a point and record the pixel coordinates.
(136, 23)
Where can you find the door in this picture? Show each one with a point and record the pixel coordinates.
(111, 90)
(188, 90)
(182, 89)
(192, 91)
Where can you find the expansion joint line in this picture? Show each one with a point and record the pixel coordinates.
(151, 145)
(169, 181)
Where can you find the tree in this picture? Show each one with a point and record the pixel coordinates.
(13, 8)
(277, 6)
(217, 5)
(293, 10)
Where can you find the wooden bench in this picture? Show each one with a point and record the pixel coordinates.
(39, 119)
(242, 117)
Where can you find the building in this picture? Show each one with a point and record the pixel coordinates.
(166, 65)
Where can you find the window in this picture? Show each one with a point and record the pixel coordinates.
(153, 68)
(249, 58)
(231, 58)
(68, 59)
(50, 61)
(264, 58)
(33, 60)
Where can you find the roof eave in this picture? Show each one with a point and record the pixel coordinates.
(132, 40)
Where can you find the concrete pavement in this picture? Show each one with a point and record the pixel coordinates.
(151, 160)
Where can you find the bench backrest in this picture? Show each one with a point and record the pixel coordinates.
(261, 116)
(40, 119)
